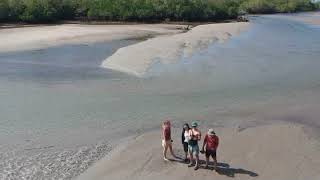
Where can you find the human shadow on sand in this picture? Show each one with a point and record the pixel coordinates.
(222, 168)
(231, 172)
(225, 169)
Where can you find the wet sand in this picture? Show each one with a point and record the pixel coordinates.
(312, 18)
(279, 151)
(38, 37)
(137, 59)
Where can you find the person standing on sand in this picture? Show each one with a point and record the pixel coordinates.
(211, 142)
(185, 139)
(166, 139)
(195, 136)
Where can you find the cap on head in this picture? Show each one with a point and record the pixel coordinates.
(194, 124)
(211, 132)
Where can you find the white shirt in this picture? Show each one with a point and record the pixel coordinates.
(186, 136)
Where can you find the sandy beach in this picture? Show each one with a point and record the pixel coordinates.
(280, 151)
(311, 18)
(168, 49)
(38, 37)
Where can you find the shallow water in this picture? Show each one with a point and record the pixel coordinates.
(60, 112)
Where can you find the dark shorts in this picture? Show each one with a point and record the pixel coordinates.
(194, 149)
(185, 147)
(211, 153)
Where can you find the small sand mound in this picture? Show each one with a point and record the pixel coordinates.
(267, 152)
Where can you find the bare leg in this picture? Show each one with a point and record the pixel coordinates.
(191, 159)
(186, 156)
(207, 162)
(165, 149)
(215, 163)
(171, 150)
(197, 162)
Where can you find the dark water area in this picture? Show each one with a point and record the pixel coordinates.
(63, 63)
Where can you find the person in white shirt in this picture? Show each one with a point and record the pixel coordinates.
(185, 137)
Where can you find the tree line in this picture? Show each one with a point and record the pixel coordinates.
(39, 11)
(278, 6)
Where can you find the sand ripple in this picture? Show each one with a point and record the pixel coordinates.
(47, 163)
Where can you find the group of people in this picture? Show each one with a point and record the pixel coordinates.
(190, 139)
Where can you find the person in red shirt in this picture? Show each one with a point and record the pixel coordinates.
(211, 142)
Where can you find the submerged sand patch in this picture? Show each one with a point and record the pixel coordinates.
(278, 151)
(138, 58)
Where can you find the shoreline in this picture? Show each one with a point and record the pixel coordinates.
(242, 154)
(12, 24)
(45, 36)
(118, 31)
(310, 18)
(169, 49)
(9, 25)
(164, 43)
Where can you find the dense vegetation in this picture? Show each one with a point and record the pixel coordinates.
(317, 4)
(273, 6)
(142, 10)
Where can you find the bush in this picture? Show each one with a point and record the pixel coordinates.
(4, 10)
(68, 9)
(277, 6)
(17, 8)
(142, 10)
(41, 10)
(224, 9)
(146, 9)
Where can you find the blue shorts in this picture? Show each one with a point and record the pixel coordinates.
(194, 149)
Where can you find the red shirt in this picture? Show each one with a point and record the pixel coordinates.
(167, 133)
(211, 142)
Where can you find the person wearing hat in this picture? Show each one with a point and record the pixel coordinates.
(195, 136)
(211, 142)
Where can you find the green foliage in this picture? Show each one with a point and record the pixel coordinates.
(68, 9)
(224, 9)
(276, 6)
(258, 6)
(17, 8)
(142, 10)
(4, 10)
(189, 10)
(42, 10)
